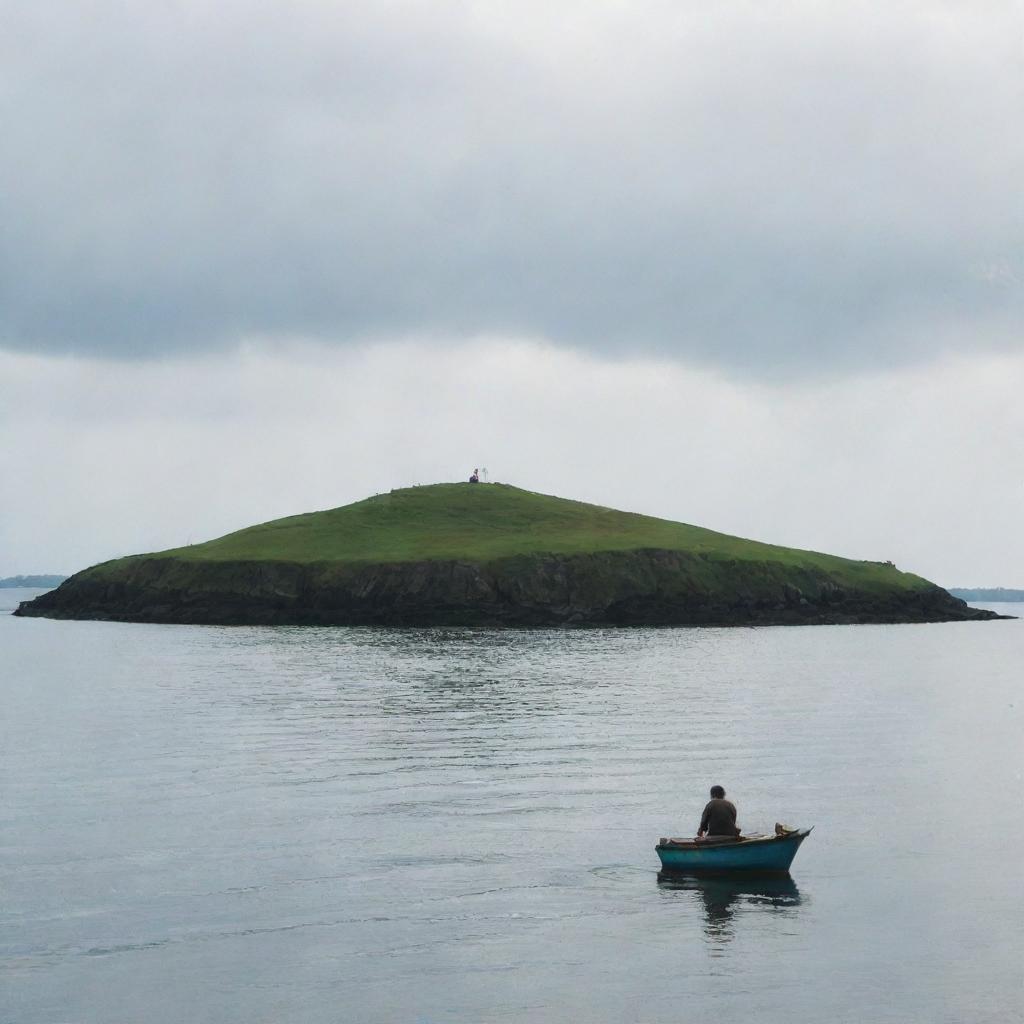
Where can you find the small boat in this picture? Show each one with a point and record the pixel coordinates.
(753, 853)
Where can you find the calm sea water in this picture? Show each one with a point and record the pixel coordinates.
(332, 825)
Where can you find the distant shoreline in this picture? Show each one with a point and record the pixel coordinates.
(987, 594)
(39, 581)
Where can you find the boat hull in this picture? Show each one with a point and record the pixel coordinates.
(770, 854)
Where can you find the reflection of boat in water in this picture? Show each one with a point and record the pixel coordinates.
(723, 895)
(729, 854)
(719, 890)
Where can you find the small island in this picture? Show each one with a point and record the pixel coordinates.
(492, 555)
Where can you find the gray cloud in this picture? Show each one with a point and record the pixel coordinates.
(761, 187)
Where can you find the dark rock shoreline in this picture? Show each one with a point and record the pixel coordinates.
(627, 588)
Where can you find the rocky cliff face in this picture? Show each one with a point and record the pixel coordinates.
(647, 587)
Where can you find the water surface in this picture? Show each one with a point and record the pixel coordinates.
(244, 825)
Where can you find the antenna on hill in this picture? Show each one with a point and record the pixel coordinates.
(485, 476)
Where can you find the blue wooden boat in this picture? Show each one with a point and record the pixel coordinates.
(728, 854)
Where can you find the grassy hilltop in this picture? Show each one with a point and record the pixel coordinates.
(486, 522)
(491, 554)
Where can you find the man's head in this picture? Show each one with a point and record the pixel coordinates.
(717, 793)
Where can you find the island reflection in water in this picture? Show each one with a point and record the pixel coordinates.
(724, 899)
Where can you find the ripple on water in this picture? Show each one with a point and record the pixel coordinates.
(458, 825)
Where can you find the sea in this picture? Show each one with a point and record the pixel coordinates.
(443, 826)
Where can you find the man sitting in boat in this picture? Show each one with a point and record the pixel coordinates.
(719, 817)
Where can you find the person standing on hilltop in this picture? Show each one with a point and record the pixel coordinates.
(475, 478)
(719, 817)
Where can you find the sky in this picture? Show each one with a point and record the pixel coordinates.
(756, 267)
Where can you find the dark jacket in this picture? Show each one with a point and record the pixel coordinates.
(719, 818)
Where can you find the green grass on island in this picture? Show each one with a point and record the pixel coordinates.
(486, 522)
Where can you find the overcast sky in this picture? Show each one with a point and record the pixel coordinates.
(754, 266)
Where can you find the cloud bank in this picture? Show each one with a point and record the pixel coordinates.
(922, 466)
(774, 189)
